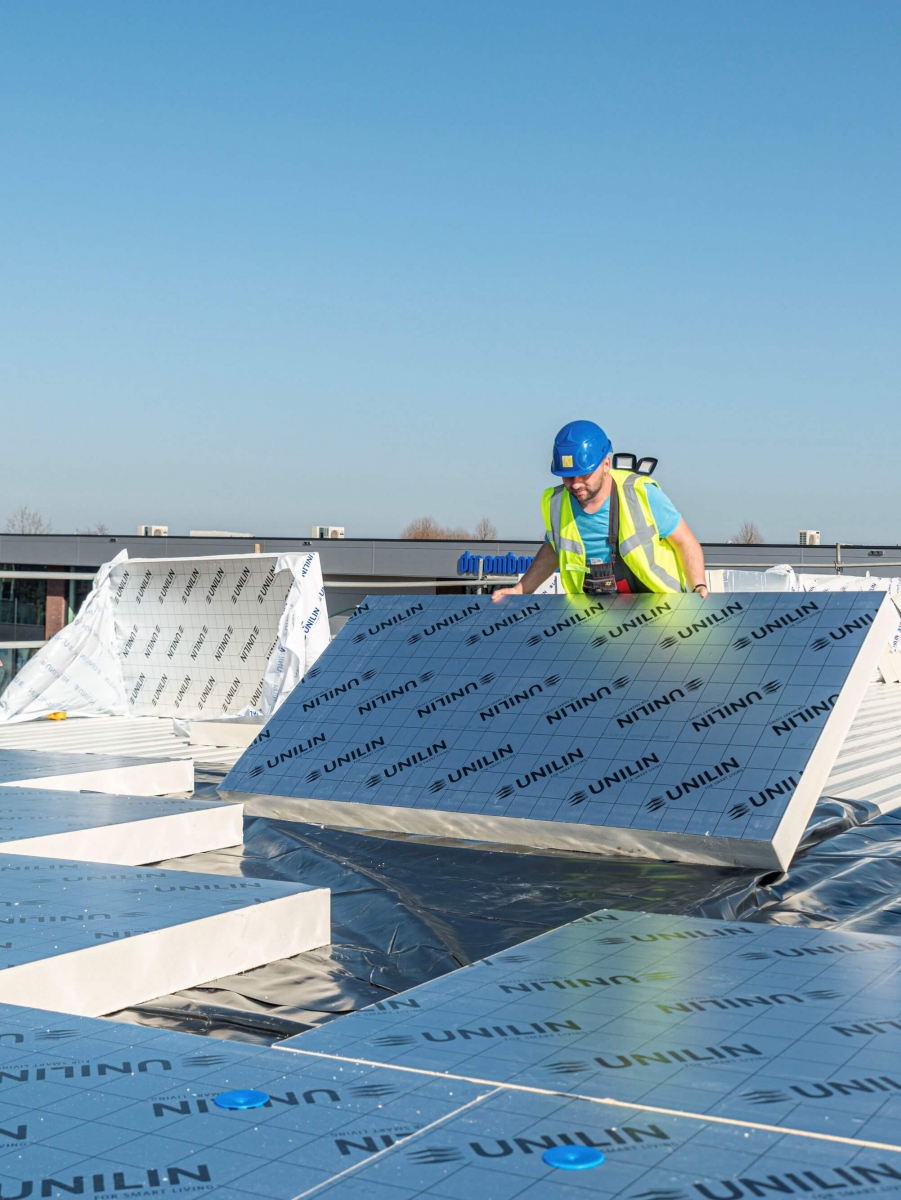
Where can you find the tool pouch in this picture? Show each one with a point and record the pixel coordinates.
(600, 580)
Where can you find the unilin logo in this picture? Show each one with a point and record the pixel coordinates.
(572, 707)
(472, 768)
(455, 694)
(576, 619)
(783, 789)
(518, 698)
(393, 693)
(843, 631)
(623, 774)
(444, 623)
(710, 622)
(395, 620)
(729, 709)
(777, 624)
(553, 767)
(506, 623)
(700, 782)
(804, 715)
(650, 707)
(343, 760)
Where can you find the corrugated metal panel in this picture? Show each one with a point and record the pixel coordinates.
(868, 766)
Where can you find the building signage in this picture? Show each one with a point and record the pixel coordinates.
(493, 564)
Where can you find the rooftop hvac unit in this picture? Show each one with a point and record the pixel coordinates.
(809, 537)
(153, 531)
(328, 531)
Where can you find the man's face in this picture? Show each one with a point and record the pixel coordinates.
(586, 487)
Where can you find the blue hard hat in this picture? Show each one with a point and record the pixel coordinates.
(579, 448)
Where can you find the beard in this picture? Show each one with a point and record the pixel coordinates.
(586, 492)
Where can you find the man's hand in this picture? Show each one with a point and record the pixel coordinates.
(544, 564)
(502, 593)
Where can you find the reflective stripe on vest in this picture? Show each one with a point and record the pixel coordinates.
(645, 536)
(560, 542)
(651, 559)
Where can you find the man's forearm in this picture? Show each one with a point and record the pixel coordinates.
(543, 566)
(691, 556)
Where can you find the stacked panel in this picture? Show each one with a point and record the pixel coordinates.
(113, 773)
(125, 830)
(88, 938)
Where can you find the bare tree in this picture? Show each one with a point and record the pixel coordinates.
(422, 529)
(97, 528)
(428, 529)
(748, 535)
(27, 520)
(485, 531)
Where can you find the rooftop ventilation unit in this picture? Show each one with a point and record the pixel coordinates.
(809, 537)
(153, 531)
(328, 531)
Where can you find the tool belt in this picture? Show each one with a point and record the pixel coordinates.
(600, 580)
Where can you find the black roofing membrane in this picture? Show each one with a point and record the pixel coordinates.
(408, 909)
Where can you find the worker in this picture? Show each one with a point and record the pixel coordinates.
(609, 530)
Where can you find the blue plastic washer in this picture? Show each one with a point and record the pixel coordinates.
(242, 1098)
(573, 1158)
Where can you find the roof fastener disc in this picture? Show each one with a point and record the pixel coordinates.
(242, 1098)
(573, 1158)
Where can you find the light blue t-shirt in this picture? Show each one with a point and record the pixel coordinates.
(595, 527)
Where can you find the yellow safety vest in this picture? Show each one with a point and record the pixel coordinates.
(649, 557)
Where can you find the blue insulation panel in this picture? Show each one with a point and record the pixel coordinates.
(102, 1109)
(788, 1027)
(663, 725)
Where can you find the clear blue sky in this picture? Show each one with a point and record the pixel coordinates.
(276, 262)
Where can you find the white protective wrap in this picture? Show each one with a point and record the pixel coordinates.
(79, 670)
(186, 638)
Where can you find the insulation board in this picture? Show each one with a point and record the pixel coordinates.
(96, 772)
(665, 726)
(96, 1108)
(123, 830)
(89, 938)
(195, 634)
(787, 1027)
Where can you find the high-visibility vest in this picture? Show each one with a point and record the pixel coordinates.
(649, 557)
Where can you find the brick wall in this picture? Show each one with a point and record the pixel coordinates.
(55, 617)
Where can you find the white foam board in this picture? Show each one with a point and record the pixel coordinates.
(112, 773)
(237, 733)
(124, 830)
(85, 938)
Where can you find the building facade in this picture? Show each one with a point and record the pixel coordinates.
(33, 609)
